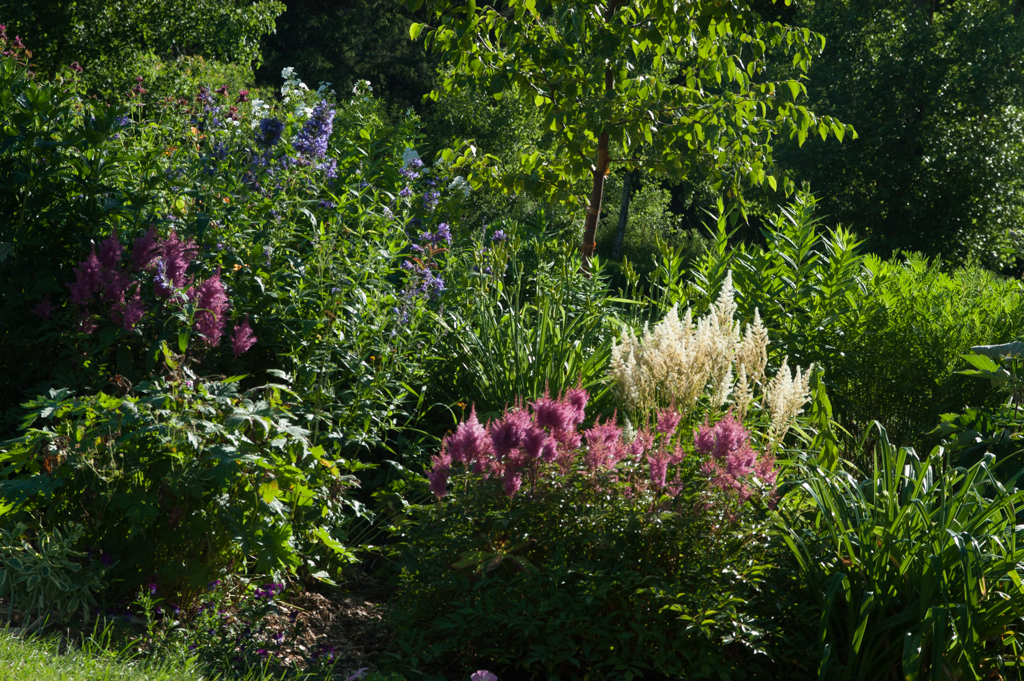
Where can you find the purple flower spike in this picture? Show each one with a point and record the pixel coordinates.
(469, 442)
(144, 250)
(111, 252)
(578, 398)
(88, 279)
(212, 303)
(312, 139)
(507, 433)
(44, 310)
(668, 420)
(439, 472)
(243, 338)
(604, 446)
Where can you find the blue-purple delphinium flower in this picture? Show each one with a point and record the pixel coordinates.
(499, 236)
(405, 193)
(431, 199)
(270, 132)
(312, 139)
(443, 234)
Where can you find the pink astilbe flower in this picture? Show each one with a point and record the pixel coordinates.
(145, 251)
(512, 480)
(212, 303)
(658, 463)
(439, 472)
(133, 311)
(115, 282)
(555, 415)
(242, 337)
(507, 432)
(732, 460)
(111, 252)
(718, 441)
(88, 279)
(469, 442)
(44, 310)
(578, 398)
(176, 256)
(538, 445)
(668, 421)
(604, 446)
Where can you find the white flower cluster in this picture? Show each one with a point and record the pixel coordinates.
(680, 360)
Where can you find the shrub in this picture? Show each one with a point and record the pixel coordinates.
(181, 482)
(44, 577)
(898, 363)
(562, 550)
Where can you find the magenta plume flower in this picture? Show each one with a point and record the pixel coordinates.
(439, 472)
(176, 256)
(144, 250)
(133, 311)
(242, 338)
(212, 304)
(111, 251)
(44, 310)
(507, 433)
(553, 414)
(88, 279)
(604, 446)
(578, 398)
(668, 420)
(469, 442)
(483, 675)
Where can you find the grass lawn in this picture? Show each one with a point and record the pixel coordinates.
(48, 659)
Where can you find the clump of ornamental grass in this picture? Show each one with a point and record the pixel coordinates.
(680, 361)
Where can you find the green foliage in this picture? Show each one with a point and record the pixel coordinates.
(650, 221)
(888, 334)
(44, 578)
(108, 38)
(914, 569)
(185, 480)
(897, 358)
(934, 91)
(593, 570)
(346, 42)
(518, 330)
(982, 429)
(804, 282)
(683, 80)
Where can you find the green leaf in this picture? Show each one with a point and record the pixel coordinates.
(414, 30)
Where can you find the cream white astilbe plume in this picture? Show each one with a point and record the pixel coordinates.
(678, 360)
(742, 394)
(785, 396)
(752, 353)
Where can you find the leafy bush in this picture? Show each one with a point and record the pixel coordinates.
(888, 334)
(180, 483)
(898, 362)
(915, 569)
(550, 558)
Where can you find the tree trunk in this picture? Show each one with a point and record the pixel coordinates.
(596, 197)
(620, 230)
